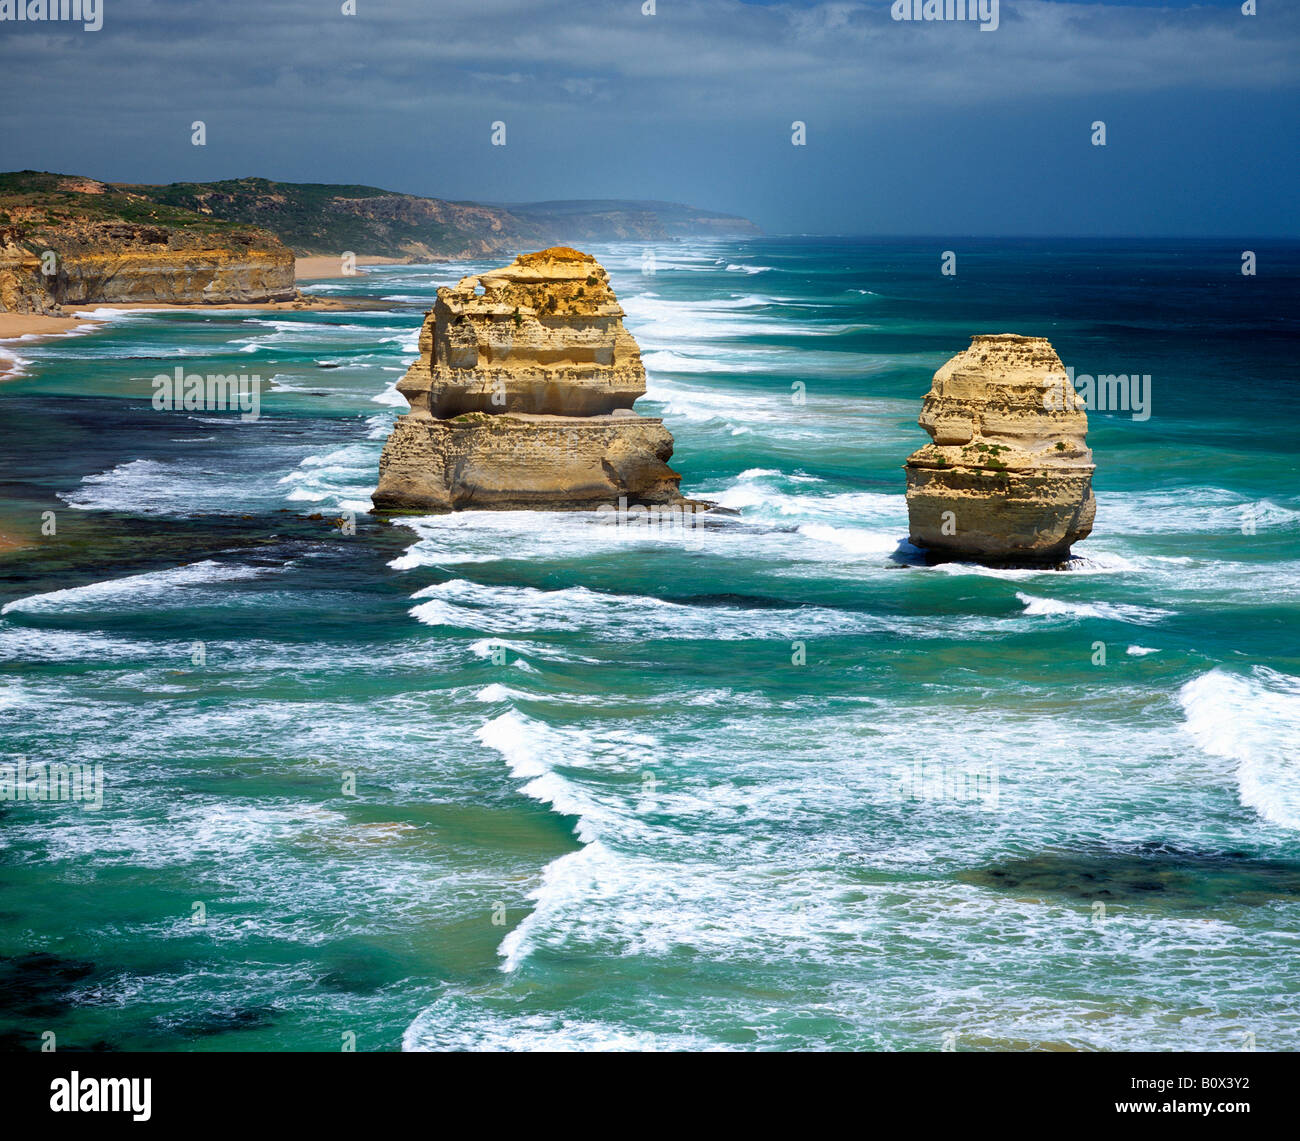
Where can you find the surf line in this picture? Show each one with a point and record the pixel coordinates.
(505, 734)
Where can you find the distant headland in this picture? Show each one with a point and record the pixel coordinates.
(72, 240)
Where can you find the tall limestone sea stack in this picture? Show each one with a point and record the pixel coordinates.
(1008, 477)
(522, 398)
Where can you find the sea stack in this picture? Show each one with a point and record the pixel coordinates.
(1007, 479)
(522, 398)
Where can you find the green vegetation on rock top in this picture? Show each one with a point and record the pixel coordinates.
(320, 218)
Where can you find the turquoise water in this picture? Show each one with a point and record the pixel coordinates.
(511, 781)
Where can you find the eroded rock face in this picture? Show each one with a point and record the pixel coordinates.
(522, 397)
(118, 262)
(22, 287)
(179, 277)
(1008, 476)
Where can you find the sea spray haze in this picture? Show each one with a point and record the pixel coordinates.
(517, 779)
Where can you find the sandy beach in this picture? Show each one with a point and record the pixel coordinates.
(331, 265)
(35, 324)
(15, 325)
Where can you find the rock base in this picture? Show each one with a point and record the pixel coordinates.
(519, 461)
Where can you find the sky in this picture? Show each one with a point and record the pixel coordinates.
(910, 127)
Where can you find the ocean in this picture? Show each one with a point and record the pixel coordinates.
(517, 781)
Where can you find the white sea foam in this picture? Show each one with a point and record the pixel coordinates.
(1194, 510)
(1095, 564)
(192, 832)
(719, 898)
(788, 520)
(156, 487)
(664, 323)
(506, 609)
(280, 384)
(136, 588)
(343, 477)
(763, 494)
(497, 692)
(1113, 611)
(379, 426)
(12, 364)
(1253, 721)
(534, 751)
(46, 644)
(390, 396)
(75, 331)
(458, 1023)
(855, 542)
(486, 647)
(566, 882)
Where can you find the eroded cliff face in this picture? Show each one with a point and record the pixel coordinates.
(98, 262)
(522, 397)
(175, 273)
(22, 287)
(1008, 476)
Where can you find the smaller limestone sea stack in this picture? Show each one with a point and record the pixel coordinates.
(1008, 477)
(522, 398)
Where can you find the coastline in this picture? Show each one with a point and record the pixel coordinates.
(318, 267)
(16, 327)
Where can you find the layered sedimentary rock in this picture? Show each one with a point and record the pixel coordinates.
(522, 397)
(177, 276)
(121, 261)
(22, 286)
(1008, 476)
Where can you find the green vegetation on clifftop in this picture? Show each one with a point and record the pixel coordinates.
(319, 218)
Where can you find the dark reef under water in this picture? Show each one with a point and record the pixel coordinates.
(1160, 874)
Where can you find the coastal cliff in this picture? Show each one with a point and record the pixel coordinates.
(121, 262)
(74, 241)
(321, 218)
(22, 286)
(1008, 476)
(233, 241)
(522, 398)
